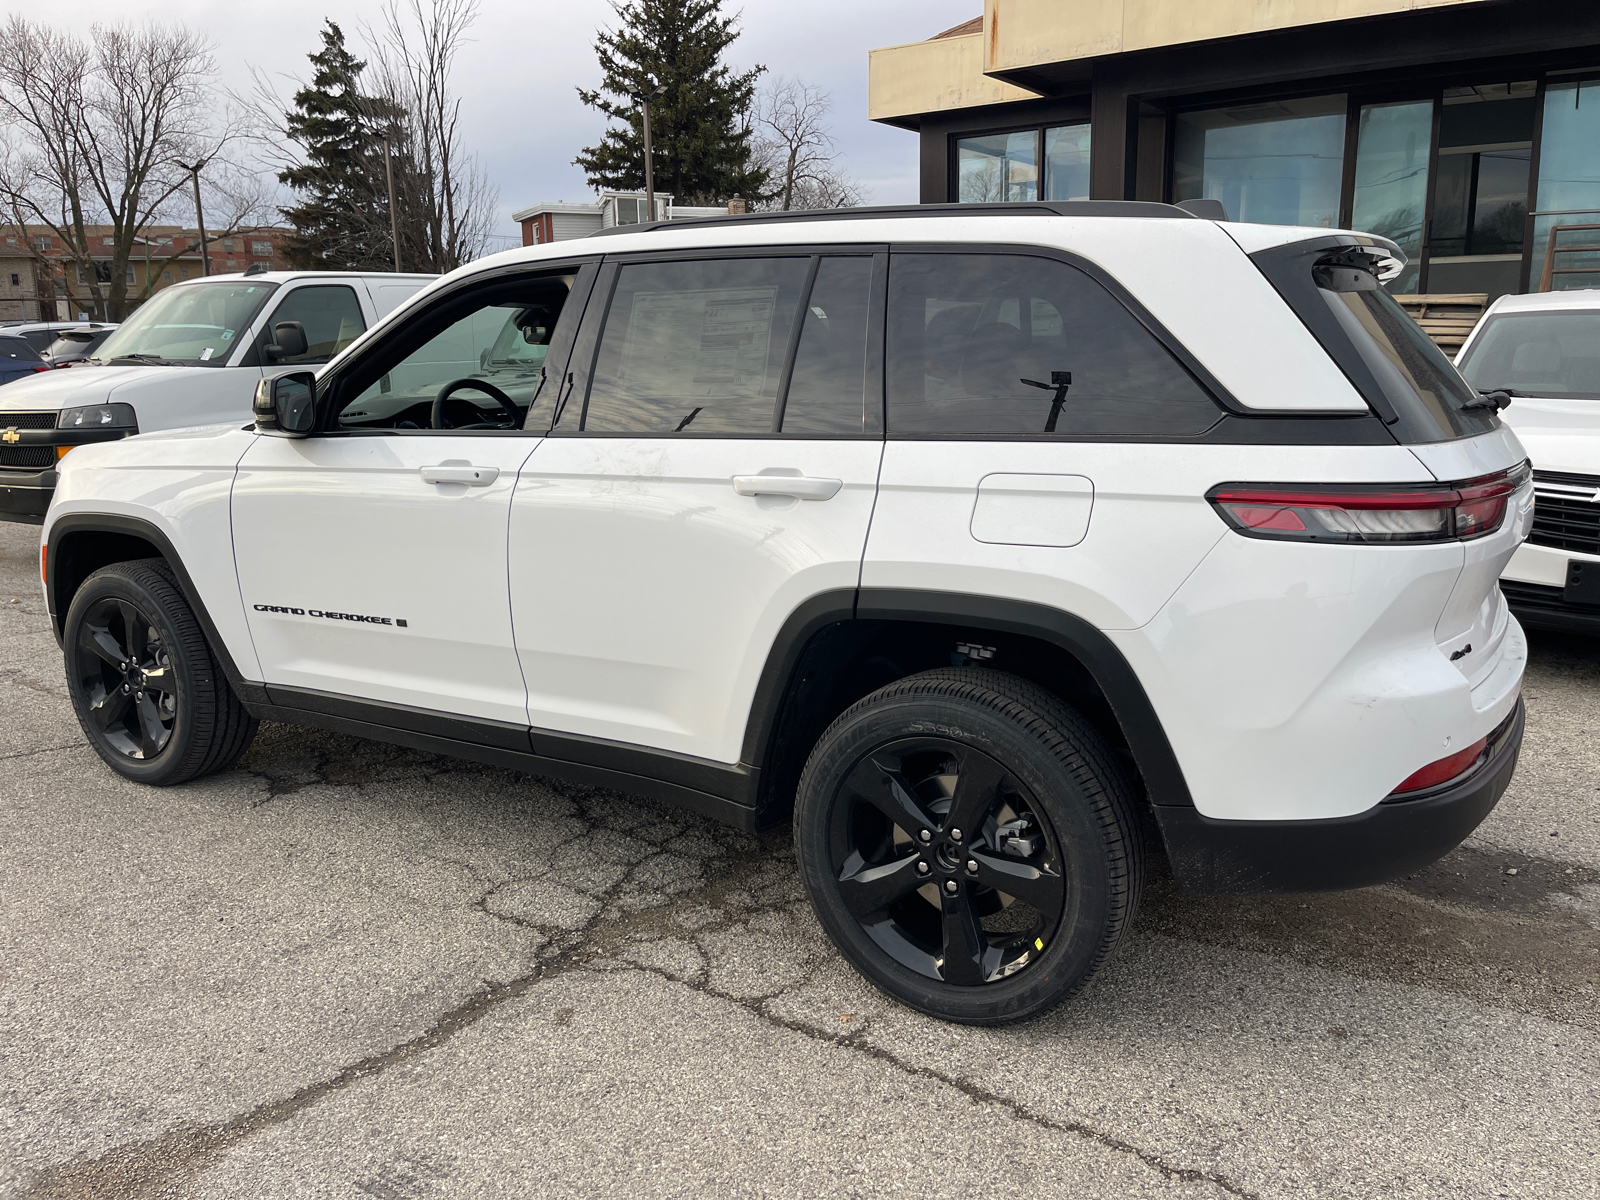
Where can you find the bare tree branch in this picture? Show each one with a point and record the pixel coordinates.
(795, 146)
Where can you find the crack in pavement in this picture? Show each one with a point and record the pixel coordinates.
(40, 750)
(164, 1166)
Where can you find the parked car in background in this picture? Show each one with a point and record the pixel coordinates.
(190, 355)
(74, 345)
(1544, 349)
(18, 359)
(41, 335)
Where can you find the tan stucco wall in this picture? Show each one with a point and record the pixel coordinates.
(924, 77)
(1024, 33)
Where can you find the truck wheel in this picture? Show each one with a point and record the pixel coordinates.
(148, 692)
(969, 843)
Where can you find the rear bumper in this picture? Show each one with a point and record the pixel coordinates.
(1387, 841)
(25, 495)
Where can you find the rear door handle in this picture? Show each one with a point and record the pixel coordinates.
(782, 483)
(460, 472)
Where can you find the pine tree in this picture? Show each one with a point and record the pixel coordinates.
(700, 129)
(342, 221)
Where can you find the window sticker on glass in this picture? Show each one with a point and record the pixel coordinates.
(727, 361)
(205, 355)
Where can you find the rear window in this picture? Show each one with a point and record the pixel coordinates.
(18, 348)
(1332, 284)
(1553, 354)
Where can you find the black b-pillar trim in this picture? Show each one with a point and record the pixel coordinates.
(1163, 776)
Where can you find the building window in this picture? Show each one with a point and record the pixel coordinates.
(183, 272)
(1391, 184)
(166, 277)
(1007, 166)
(1278, 163)
(227, 246)
(16, 280)
(41, 243)
(263, 249)
(1569, 179)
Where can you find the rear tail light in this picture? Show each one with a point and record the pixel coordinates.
(41, 367)
(1445, 769)
(1375, 513)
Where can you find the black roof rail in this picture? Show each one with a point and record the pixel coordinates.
(1016, 208)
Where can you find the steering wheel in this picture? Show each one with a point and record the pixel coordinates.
(436, 418)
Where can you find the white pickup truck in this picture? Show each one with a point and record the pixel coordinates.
(191, 355)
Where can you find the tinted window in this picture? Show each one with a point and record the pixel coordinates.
(998, 343)
(496, 336)
(18, 348)
(695, 347)
(1554, 354)
(332, 318)
(828, 387)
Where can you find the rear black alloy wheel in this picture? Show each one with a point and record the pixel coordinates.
(968, 842)
(148, 691)
(946, 860)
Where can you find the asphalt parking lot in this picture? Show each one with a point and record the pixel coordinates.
(346, 969)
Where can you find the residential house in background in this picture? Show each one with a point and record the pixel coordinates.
(39, 280)
(1466, 130)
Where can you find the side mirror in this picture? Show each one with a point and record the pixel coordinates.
(287, 404)
(291, 341)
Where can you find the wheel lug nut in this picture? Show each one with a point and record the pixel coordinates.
(955, 835)
(925, 835)
(950, 887)
(923, 868)
(972, 866)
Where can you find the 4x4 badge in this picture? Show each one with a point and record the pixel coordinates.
(11, 435)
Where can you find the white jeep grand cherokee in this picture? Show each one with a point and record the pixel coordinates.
(977, 540)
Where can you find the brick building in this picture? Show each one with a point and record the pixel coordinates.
(41, 280)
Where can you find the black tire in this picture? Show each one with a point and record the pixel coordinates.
(928, 919)
(149, 693)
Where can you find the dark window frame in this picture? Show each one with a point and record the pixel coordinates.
(1226, 402)
(334, 388)
(569, 419)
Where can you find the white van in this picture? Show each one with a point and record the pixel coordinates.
(156, 370)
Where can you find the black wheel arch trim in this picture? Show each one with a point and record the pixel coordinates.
(61, 528)
(1105, 663)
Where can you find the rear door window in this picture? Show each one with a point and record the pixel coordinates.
(1551, 354)
(695, 347)
(1015, 345)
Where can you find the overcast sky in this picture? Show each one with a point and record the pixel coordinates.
(517, 76)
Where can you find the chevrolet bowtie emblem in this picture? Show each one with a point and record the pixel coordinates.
(11, 435)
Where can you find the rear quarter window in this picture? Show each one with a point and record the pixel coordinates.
(1017, 345)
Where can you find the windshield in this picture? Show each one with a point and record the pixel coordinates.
(196, 324)
(1553, 354)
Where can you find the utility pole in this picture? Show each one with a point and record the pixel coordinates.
(199, 217)
(644, 96)
(394, 220)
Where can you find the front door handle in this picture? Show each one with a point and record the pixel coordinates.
(460, 472)
(783, 482)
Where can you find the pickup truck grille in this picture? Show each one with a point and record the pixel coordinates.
(1566, 511)
(27, 420)
(27, 458)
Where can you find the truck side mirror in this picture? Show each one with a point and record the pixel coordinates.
(290, 341)
(287, 404)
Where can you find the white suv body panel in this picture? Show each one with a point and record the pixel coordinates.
(647, 593)
(181, 483)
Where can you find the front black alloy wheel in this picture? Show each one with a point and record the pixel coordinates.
(125, 675)
(148, 691)
(968, 841)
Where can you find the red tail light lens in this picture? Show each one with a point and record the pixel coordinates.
(1375, 513)
(1445, 769)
